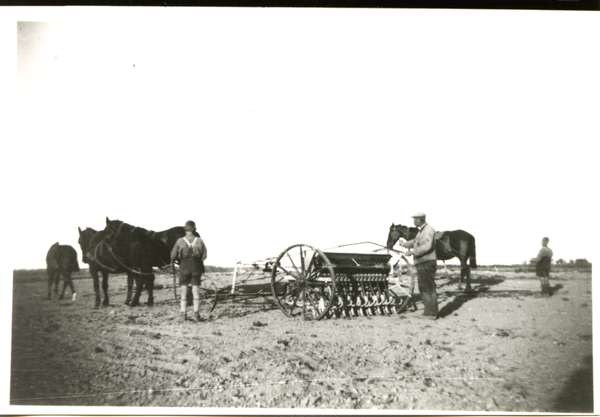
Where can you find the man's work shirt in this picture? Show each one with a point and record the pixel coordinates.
(423, 245)
(184, 249)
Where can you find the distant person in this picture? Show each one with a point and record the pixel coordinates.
(425, 260)
(190, 251)
(542, 266)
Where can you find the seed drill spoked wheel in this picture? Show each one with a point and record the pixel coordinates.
(311, 284)
(303, 282)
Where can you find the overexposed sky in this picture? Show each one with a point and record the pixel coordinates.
(271, 127)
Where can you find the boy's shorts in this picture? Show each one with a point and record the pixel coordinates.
(190, 273)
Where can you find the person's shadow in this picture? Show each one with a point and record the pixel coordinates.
(578, 392)
(484, 284)
(555, 288)
(455, 304)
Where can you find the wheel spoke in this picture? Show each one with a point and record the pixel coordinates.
(304, 303)
(295, 299)
(310, 297)
(292, 291)
(302, 266)
(293, 264)
(287, 272)
(310, 271)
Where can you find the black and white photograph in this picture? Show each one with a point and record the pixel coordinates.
(299, 211)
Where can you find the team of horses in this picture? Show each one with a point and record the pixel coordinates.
(125, 249)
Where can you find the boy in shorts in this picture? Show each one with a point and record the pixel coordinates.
(542, 266)
(190, 251)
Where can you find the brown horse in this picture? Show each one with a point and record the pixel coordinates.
(455, 243)
(61, 260)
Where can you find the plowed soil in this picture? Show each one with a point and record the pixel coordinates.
(499, 351)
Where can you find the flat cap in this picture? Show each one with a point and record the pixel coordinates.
(418, 214)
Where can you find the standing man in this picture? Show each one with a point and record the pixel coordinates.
(542, 266)
(422, 247)
(190, 251)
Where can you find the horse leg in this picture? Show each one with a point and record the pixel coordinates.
(50, 280)
(139, 285)
(94, 272)
(56, 282)
(104, 288)
(465, 272)
(129, 288)
(461, 254)
(64, 287)
(71, 283)
(150, 288)
(468, 275)
(68, 282)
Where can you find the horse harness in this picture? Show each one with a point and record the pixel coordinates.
(116, 258)
(442, 242)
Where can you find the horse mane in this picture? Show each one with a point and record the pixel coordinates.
(117, 226)
(408, 228)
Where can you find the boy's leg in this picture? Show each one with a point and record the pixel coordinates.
(184, 288)
(196, 293)
(183, 284)
(547, 285)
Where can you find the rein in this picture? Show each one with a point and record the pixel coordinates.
(123, 265)
(116, 258)
(96, 257)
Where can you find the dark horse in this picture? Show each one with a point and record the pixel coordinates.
(117, 254)
(61, 259)
(155, 251)
(159, 244)
(89, 240)
(455, 243)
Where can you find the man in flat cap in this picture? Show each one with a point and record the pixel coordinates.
(422, 247)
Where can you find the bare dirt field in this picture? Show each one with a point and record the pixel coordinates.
(502, 351)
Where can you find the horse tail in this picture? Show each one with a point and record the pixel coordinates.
(471, 253)
(73, 264)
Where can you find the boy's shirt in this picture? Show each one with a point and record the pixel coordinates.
(542, 262)
(545, 252)
(185, 249)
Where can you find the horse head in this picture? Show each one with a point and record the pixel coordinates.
(393, 237)
(396, 232)
(114, 227)
(85, 241)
